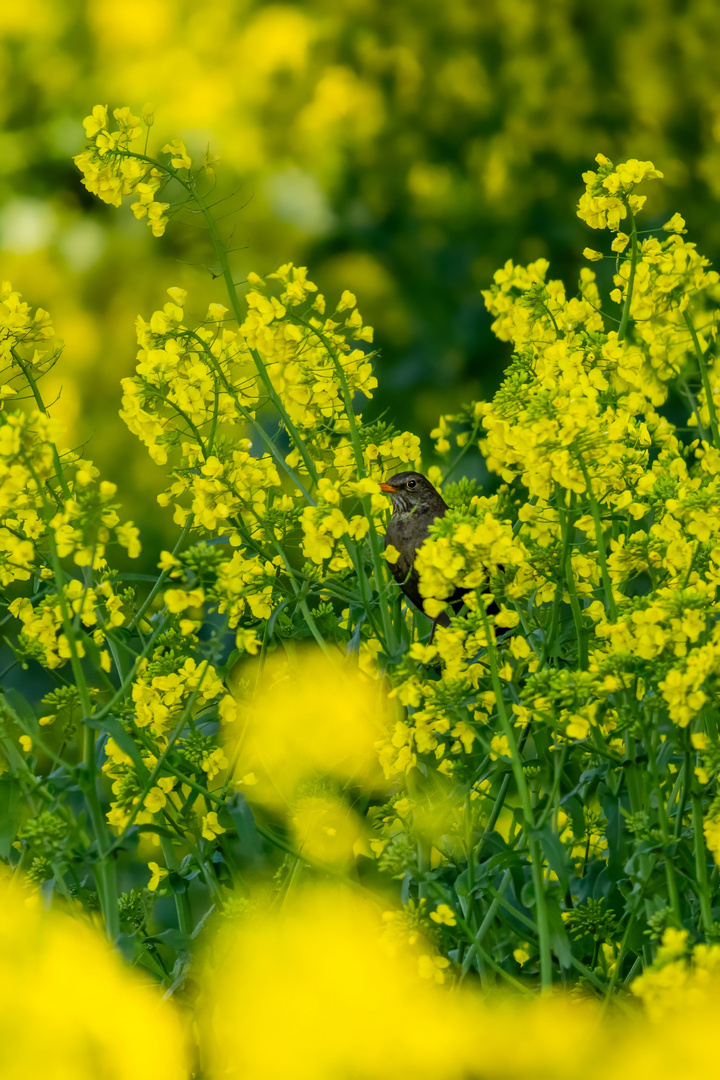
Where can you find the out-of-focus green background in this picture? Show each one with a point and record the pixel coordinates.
(403, 150)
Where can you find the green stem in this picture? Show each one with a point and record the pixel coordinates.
(252, 420)
(671, 879)
(566, 572)
(517, 915)
(701, 874)
(106, 871)
(500, 798)
(30, 379)
(379, 574)
(705, 376)
(485, 924)
(685, 387)
(599, 539)
(534, 849)
(625, 317)
(630, 772)
(182, 900)
(476, 944)
(135, 621)
(157, 768)
(686, 780)
(237, 311)
(618, 962)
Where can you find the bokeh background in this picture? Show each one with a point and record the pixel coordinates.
(402, 150)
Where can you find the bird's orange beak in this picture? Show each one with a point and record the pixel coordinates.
(388, 488)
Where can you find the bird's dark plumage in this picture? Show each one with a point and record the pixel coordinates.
(416, 505)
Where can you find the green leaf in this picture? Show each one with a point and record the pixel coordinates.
(10, 802)
(555, 853)
(21, 708)
(559, 940)
(113, 727)
(250, 842)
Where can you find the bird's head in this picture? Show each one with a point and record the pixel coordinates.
(411, 491)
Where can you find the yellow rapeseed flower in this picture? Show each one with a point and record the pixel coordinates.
(70, 1007)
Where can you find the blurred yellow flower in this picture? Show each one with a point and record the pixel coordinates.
(158, 873)
(323, 967)
(444, 915)
(310, 714)
(70, 1009)
(326, 829)
(211, 827)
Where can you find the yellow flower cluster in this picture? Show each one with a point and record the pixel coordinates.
(196, 387)
(311, 357)
(683, 976)
(465, 554)
(160, 699)
(169, 697)
(113, 168)
(609, 192)
(45, 623)
(53, 507)
(324, 953)
(22, 333)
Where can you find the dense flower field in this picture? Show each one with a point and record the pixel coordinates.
(314, 828)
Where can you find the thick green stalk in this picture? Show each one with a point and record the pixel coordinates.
(534, 848)
(625, 317)
(105, 871)
(182, 900)
(599, 539)
(703, 889)
(380, 578)
(670, 877)
(221, 254)
(705, 376)
(566, 572)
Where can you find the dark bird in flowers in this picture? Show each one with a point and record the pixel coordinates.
(416, 505)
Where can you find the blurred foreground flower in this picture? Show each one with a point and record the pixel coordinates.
(308, 725)
(306, 716)
(315, 991)
(318, 989)
(70, 1010)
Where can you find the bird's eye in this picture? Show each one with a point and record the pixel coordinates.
(411, 483)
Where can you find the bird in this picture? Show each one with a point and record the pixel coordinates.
(416, 505)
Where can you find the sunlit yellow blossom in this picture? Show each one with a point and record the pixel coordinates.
(157, 874)
(444, 915)
(211, 827)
